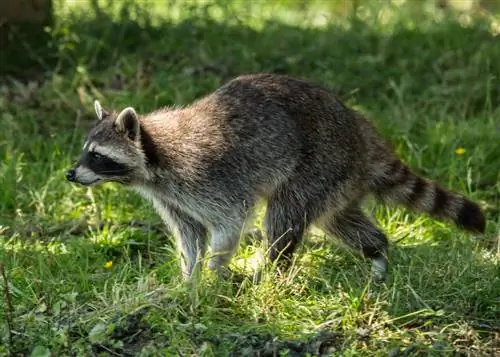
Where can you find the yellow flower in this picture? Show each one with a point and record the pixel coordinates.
(460, 151)
(108, 264)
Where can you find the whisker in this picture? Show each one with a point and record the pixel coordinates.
(113, 172)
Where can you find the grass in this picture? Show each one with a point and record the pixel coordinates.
(92, 272)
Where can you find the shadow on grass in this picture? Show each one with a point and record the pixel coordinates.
(444, 62)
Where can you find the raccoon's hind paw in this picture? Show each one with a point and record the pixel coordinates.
(380, 268)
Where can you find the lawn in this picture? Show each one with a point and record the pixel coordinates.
(92, 272)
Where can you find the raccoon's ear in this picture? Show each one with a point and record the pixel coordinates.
(127, 123)
(100, 111)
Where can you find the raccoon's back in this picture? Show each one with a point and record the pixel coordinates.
(287, 105)
(280, 118)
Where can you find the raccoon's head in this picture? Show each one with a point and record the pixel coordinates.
(112, 151)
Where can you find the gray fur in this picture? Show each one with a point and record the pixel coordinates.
(263, 135)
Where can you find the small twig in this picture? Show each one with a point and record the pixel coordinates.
(110, 351)
(8, 304)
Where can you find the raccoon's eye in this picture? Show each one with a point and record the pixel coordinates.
(95, 156)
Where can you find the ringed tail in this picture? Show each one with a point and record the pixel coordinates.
(398, 184)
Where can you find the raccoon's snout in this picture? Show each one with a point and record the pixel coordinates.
(83, 176)
(71, 175)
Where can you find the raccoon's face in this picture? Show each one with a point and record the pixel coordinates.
(112, 151)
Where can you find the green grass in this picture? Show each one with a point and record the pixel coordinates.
(429, 80)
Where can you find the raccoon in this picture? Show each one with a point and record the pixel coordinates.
(288, 141)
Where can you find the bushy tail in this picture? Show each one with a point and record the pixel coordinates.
(396, 183)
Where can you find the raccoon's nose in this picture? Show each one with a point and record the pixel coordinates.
(71, 175)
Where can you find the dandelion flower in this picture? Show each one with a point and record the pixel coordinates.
(460, 151)
(108, 264)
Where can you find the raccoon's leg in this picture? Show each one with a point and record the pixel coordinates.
(190, 237)
(358, 232)
(223, 245)
(287, 217)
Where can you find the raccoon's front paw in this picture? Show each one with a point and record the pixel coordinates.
(229, 275)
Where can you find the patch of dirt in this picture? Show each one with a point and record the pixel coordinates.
(324, 343)
(129, 337)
